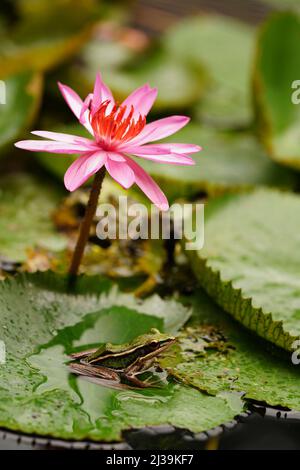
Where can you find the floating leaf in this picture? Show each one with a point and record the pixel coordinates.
(277, 66)
(232, 360)
(35, 44)
(250, 261)
(228, 162)
(224, 46)
(22, 96)
(41, 324)
(292, 5)
(125, 68)
(26, 205)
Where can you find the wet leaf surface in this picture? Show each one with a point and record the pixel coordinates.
(38, 395)
(217, 355)
(249, 263)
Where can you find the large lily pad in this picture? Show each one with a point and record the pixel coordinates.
(250, 261)
(23, 94)
(277, 66)
(41, 324)
(228, 162)
(35, 44)
(228, 358)
(224, 46)
(25, 217)
(179, 83)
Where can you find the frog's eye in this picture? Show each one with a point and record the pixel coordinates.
(155, 331)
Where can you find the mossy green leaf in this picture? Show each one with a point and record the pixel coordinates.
(26, 205)
(224, 47)
(22, 95)
(41, 324)
(277, 67)
(232, 359)
(228, 162)
(250, 261)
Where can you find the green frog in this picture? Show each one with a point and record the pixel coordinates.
(125, 361)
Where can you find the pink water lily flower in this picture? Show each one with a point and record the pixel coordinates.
(118, 132)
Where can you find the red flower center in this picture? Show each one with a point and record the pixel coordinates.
(112, 128)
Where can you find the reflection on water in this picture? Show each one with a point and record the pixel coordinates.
(104, 407)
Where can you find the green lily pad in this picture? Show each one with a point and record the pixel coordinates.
(250, 261)
(232, 360)
(224, 47)
(25, 217)
(22, 99)
(277, 66)
(228, 162)
(41, 323)
(292, 5)
(124, 69)
(35, 44)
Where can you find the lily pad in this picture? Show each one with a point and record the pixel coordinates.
(250, 261)
(292, 5)
(228, 162)
(224, 47)
(277, 66)
(41, 323)
(25, 217)
(124, 69)
(34, 44)
(22, 99)
(230, 359)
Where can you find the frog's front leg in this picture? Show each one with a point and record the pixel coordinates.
(132, 379)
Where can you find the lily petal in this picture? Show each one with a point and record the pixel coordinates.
(51, 146)
(62, 137)
(120, 171)
(174, 148)
(74, 102)
(159, 129)
(83, 168)
(148, 186)
(141, 99)
(174, 158)
(101, 93)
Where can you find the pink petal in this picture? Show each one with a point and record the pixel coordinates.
(83, 167)
(159, 129)
(51, 146)
(148, 186)
(120, 171)
(62, 137)
(143, 149)
(141, 99)
(101, 93)
(85, 110)
(174, 158)
(74, 102)
(174, 148)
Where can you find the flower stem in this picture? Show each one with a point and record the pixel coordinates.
(85, 226)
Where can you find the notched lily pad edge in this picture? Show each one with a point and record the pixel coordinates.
(241, 308)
